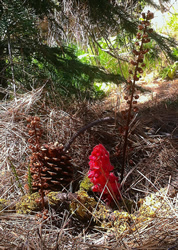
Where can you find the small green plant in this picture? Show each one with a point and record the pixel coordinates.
(169, 71)
(29, 185)
(16, 176)
(172, 23)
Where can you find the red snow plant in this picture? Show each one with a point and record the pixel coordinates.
(101, 175)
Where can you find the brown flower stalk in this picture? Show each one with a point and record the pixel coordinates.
(138, 64)
(36, 163)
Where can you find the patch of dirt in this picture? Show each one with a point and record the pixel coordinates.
(154, 92)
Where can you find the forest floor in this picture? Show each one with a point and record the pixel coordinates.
(156, 91)
(146, 218)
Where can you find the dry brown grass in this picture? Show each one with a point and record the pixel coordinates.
(154, 138)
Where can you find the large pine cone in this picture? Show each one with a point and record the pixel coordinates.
(51, 168)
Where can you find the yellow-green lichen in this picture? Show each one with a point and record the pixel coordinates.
(28, 204)
(102, 213)
(52, 198)
(115, 221)
(150, 207)
(152, 204)
(83, 205)
(86, 184)
(123, 221)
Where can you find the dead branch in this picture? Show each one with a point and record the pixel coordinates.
(82, 130)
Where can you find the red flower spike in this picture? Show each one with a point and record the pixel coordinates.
(100, 174)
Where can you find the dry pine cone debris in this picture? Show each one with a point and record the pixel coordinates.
(50, 166)
(56, 168)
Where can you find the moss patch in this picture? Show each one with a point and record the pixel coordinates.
(83, 206)
(151, 207)
(86, 184)
(52, 198)
(28, 204)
